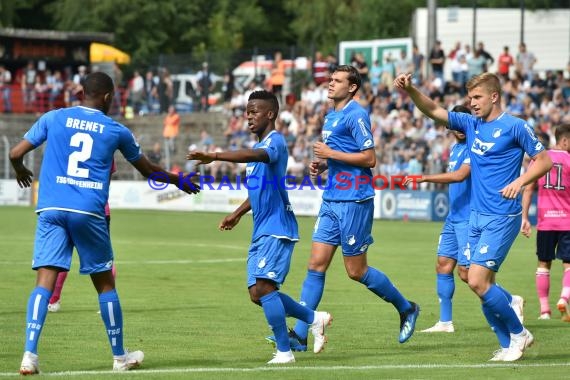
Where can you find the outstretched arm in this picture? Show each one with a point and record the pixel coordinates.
(157, 173)
(242, 155)
(457, 176)
(424, 103)
(233, 219)
(365, 158)
(23, 174)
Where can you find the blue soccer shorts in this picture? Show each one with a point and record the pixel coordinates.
(346, 224)
(269, 258)
(491, 237)
(58, 232)
(453, 242)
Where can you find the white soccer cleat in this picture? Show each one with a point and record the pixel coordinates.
(30, 364)
(517, 303)
(544, 316)
(322, 320)
(562, 306)
(54, 307)
(499, 354)
(519, 343)
(129, 361)
(440, 326)
(282, 358)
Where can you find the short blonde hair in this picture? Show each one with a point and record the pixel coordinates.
(489, 81)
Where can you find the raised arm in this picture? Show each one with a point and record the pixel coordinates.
(424, 103)
(242, 155)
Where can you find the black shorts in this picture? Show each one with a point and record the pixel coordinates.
(552, 245)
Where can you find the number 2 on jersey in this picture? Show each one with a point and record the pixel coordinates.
(86, 142)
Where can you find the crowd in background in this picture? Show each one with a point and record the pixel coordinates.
(405, 141)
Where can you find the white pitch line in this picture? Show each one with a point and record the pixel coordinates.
(301, 368)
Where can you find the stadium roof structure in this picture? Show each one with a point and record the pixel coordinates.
(37, 34)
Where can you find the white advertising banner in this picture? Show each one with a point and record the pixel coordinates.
(12, 195)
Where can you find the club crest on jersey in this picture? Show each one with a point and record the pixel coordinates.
(496, 132)
(479, 147)
(325, 135)
(249, 170)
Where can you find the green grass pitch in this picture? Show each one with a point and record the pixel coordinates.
(185, 304)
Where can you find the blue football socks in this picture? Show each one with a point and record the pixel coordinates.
(112, 317)
(445, 289)
(311, 294)
(36, 317)
(498, 303)
(275, 315)
(380, 284)
(296, 310)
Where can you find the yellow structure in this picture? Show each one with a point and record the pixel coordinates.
(106, 53)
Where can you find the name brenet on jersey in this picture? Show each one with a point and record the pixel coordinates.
(84, 125)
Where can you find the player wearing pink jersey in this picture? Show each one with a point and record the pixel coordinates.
(54, 302)
(553, 223)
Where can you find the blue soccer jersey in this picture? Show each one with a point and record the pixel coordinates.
(496, 149)
(348, 130)
(77, 160)
(272, 212)
(459, 192)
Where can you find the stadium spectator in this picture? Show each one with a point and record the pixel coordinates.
(5, 89)
(136, 92)
(205, 87)
(553, 224)
(418, 61)
(320, 69)
(71, 211)
(151, 91)
(525, 62)
(171, 129)
(437, 61)
(345, 218)
(495, 218)
(164, 90)
(27, 83)
(55, 85)
(505, 61)
(274, 227)
(489, 60)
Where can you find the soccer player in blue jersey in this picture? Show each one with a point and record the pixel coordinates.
(346, 214)
(452, 247)
(74, 187)
(275, 229)
(497, 143)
